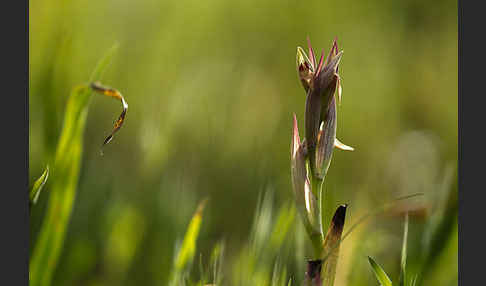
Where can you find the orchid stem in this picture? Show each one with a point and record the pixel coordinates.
(317, 186)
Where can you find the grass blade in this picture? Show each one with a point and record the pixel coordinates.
(37, 187)
(66, 167)
(331, 246)
(186, 253)
(216, 261)
(188, 248)
(379, 273)
(403, 277)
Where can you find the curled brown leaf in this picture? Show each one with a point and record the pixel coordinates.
(111, 92)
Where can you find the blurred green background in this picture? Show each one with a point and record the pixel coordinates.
(211, 87)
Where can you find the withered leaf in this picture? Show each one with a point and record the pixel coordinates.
(108, 91)
(331, 245)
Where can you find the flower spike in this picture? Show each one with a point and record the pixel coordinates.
(321, 61)
(311, 54)
(338, 144)
(304, 68)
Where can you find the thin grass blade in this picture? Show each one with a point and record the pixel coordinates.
(380, 274)
(403, 274)
(216, 262)
(188, 248)
(38, 185)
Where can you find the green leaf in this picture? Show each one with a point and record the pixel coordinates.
(188, 248)
(216, 262)
(65, 175)
(185, 255)
(38, 185)
(403, 264)
(331, 246)
(379, 273)
(414, 280)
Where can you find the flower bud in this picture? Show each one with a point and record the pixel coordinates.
(320, 113)
(305, 200)
(325, 141)
(304, 68)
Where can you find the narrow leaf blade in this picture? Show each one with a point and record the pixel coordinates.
(38, 185)
(403, 264)
(331, 246)
(380, 274)
(188, 248)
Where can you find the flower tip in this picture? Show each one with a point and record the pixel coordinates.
(311, 53)
(338, 144)
(333, 64)
(309, 43)
(335, 45)
(300, 57)
(321, 61)
(339, 55)
(296, 128)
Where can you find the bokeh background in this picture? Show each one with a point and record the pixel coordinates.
(211, 87)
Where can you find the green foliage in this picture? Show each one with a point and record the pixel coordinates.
(37, 187)
(403, 265)
(439, 233)
(379, 273)
(65, 176)
(186, 253)
(403, 279)
(216, 264)
(262, 260)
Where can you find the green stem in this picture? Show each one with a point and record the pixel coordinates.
(317, 243)
(316, 185)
